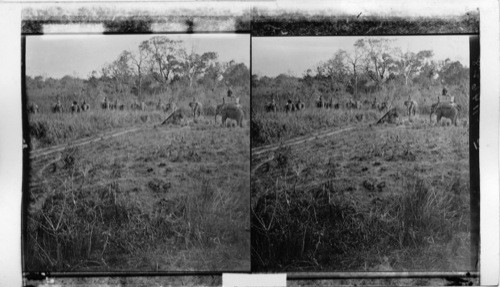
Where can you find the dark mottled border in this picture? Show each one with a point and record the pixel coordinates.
(257, 21)
(117, 21)
(303, 25)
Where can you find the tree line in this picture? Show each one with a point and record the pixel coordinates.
(158, 65)
(372, 66)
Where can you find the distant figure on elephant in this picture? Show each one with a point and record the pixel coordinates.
(445, 110)
(230, 111)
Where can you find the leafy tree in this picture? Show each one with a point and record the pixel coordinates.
(213, 76)
(409, 64)
(138, 61)
(162, 57)
(236, 74)
(335, 70)
(428, 74)
(118, 73)
(193, 66)
(453, 73)
(377, 57)
(354, 62)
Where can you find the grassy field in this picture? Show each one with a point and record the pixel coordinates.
(163, 198)
(388, 197)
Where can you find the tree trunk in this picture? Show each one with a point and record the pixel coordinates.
(140, 82)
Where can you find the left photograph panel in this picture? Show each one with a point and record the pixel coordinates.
(137, 152)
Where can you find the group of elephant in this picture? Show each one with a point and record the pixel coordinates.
(59, 108)
(232, 111)
(321, 103)
(449, 110)
(290, 106)
(109, 105)
(352, 104)
(225, 110)
(440, 109)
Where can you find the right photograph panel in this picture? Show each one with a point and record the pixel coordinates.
(360, 154)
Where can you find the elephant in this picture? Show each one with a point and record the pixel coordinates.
(75, 108)
(329, 104)
(196, 108)
(105, 104)
(320, 103)
(140, 106)
(230, 111)
(57, 107)
(85, 107)
(114, 105)
(411, 107)
(299, 105)
(289, 107)
(443, 110)
(352, 104)
(271, 107)
(218, 108)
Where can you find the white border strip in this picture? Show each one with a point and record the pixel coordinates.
(488, 142)
(73, 28)
(11, 136)
(253, 280)
(11, 156)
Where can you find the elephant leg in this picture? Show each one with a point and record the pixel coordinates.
(438, 119)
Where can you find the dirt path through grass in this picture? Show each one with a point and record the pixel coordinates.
(258, 152)
(88, 140)
(299, 140)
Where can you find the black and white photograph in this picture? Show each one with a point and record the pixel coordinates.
(139, 152)
(249, 143)
(360, 154)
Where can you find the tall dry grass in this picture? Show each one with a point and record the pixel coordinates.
(324, 230)
(268, 128)
(91, 222)
(48, 129)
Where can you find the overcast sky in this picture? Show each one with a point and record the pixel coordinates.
(272, 56)
(57, 56)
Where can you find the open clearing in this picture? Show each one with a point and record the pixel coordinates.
(165, 198)
(372, 198)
